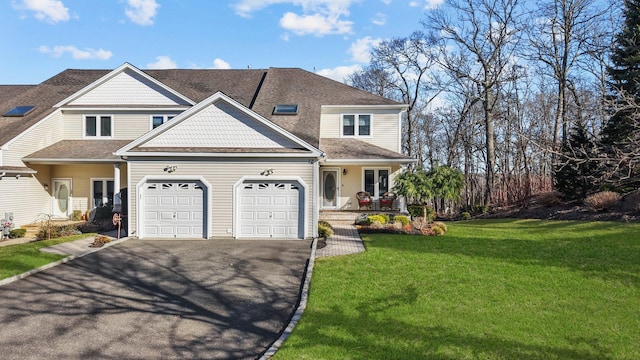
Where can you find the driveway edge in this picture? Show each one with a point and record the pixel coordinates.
(302, 305)
(23, 275)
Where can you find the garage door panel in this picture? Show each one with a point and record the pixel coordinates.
(247, 215)
(174, 209)
(270, 209)
(263, 200)
(167, 201)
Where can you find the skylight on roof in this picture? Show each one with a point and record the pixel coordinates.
(291, 109)
(19, 110)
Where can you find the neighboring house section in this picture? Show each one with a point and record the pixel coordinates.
(201, 153)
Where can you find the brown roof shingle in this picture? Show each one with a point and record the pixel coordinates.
(258, 89)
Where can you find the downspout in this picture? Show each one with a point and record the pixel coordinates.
(316, 203)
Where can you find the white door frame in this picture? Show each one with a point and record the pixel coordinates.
(338, 179)
(55, 210)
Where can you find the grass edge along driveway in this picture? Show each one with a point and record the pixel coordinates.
(20, 258)
(491, 289)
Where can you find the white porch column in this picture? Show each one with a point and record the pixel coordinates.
(116, 188)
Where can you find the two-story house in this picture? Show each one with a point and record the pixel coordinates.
(201, 153)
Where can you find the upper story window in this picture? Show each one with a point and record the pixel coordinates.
(157, 120)
(98, 126)
(356, 125)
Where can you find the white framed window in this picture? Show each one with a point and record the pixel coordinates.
(98, 126)
(356, 124)
(375, 181)
(157, 120)
(101, 192)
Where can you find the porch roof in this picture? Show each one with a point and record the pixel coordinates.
(348, 149)
(67, 151)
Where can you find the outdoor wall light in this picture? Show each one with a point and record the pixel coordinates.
(46, 187)
(170, 168)
(267, 172)
(344, 171)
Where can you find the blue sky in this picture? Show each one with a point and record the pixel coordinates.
(333, 37)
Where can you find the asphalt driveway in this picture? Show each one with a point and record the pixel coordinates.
(218, 299)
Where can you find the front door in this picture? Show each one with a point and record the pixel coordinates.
(62, 198)
(330, 189)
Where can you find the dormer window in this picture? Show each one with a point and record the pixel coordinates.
(98, 126)
(18, 111)
(289, 109)
(356, 125)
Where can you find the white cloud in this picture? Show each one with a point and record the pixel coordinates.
(360, 49)
(315, 24)
(162, 62)
(318, 17)
(51, 11)
(386, 2)
(77, 54)
(428, 4)
(221, 64)
(380, 19)
(141, 12)
(339, 73)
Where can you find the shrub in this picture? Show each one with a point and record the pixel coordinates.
(363, 220)
(603, 200)
(17, 233)
(548, 199)
(466, 215)
(632, 201)
(325, 223)
(378, 218)
(324, 229)
(77, 215)
(401, 219)
(481, 209)
(441, 225)
(437, 231)
(415, 210)
(48, 231)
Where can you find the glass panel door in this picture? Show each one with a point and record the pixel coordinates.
(330, 189)
(62, 198)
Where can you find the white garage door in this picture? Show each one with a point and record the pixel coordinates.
(271, 210)
(174, 209)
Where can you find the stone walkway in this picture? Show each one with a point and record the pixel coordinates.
(344, 241)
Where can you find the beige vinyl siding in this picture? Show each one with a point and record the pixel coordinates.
(46, 133)
(26, 197)
(81, 176)
(222, 175)
(126, 125)
(385, 126)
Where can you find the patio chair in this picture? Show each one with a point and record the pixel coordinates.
(364, 200)
(386, 201)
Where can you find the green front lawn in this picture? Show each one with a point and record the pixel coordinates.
(16, 259)
(494, 289)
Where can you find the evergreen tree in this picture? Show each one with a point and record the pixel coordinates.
(621, 133)
(574, 176)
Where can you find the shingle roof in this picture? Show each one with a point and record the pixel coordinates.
(258, 89)
(79, 150)
(354, 149)
(43, 97)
